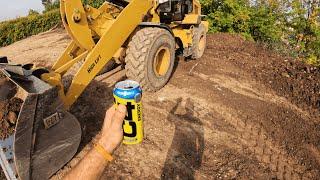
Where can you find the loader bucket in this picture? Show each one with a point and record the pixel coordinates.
(45, 136)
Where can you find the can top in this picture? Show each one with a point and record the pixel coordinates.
(127, 89)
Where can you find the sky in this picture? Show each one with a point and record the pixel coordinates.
(10, 9)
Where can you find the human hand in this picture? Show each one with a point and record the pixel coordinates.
(112, 132)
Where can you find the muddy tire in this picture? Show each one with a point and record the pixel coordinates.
(199, 41)
(150, 58)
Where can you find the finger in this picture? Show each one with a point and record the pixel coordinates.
(119, 116)
(109, 114)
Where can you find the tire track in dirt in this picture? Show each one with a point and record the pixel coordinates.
(312, 161)
(252, 136)
(286, 167)
(246, 89)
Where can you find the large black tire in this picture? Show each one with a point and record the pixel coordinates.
(141, 62)
(199, 41)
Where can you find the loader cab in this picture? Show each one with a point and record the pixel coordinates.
(174, 10)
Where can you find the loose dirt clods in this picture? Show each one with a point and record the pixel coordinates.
(9, 111)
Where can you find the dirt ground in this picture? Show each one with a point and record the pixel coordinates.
(240, 112)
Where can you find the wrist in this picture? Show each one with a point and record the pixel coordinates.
(107, 145)
(101, 150)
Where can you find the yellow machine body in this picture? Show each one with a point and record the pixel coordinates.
(98, 35)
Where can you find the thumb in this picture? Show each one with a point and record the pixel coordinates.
(119, 116)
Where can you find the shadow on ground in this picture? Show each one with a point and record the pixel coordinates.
(90, 109)
(185, 154)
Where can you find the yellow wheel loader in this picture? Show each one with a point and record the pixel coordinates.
(142, 35)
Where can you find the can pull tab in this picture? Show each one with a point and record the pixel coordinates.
(138, 97)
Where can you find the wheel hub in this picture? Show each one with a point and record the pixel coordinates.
(202, 44)
(161, 61)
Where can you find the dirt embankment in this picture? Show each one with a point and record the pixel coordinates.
(275, 97)
(290, 78)
(240, 112)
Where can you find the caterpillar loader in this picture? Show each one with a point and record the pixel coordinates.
(142, 35)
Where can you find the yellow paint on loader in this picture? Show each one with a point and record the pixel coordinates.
(107, 46)
(98, 35)
(78, 28)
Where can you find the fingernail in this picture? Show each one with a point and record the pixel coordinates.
(122, 108)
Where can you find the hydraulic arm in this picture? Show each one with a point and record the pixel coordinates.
(97, 34)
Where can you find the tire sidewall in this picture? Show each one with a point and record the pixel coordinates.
(164, 40)
(200, 31)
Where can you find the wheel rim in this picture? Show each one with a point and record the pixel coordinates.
(202, 44)
(161, 61)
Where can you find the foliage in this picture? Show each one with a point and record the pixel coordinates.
(94, 3)
(46, 2)
(15, 30)
(239, 16)
(55, 4)
(265, 25)
(33, 12)
(306, 29)
(287, 25)
(50, 5)
(227, 15)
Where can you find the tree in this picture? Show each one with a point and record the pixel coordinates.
(285, 24)
(33, 12)
(227, 15)
(50, 5)
(46, 2)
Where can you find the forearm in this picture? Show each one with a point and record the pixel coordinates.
(90, 167)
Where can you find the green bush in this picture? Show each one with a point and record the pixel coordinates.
(291, 26)
(238, 16)
(265, 25)
(15, 30)
(51, 6)
(227, 15)
(33, 12)
(94, 3)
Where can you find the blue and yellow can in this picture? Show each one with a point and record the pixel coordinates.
(129, 93)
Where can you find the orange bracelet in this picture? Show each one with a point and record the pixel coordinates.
(103, 152)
